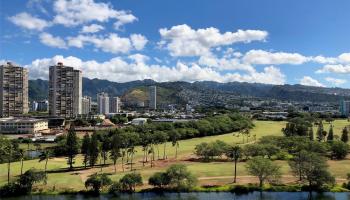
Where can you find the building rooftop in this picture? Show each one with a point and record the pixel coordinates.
(20, 120)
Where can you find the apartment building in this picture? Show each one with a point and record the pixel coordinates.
(65, 91)
(13, 90)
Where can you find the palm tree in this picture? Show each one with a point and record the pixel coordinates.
(21, 155)
(8, 153)
(45, 155)
(234, 152)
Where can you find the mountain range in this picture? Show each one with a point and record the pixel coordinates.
(201, 92)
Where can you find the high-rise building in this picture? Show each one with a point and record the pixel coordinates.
(345, 108)
(114, 105)
(13, 90)
(153, 97)
(43, 106)
(65, 91)
(86, 105)
(33, 106)
(102, 103)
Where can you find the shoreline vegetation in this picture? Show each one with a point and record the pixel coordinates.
(163, 158)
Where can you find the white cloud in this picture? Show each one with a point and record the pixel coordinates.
(93, 28)
(138, 41)
(335, 81)
(270, 75)
(268, 58)
(182, 40)
(224, 63)
(307, 80)
(111, 44)
(76, 12)
(339, 69)
(119, 69)
(124, 17)
(28, 21)
(324, 60)
(52, 41)
(344, 57)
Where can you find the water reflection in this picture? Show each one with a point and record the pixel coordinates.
(200, 196)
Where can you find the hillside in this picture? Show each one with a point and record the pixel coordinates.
(203, 92)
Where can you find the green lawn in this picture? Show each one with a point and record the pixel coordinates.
(75, 180)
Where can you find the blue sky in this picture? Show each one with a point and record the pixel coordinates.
(270, 41)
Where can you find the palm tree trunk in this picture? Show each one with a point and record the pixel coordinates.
(234, 180)
(115, 167)
(21, 166)
(176, 151)
(146, 154)
(123, 163)
(46, 164)
(158, 150)
(164, 151)
(8, 171)
(131, 158)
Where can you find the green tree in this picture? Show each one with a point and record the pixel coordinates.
(115, 150)
(298, 162)
(159, 179)
(345, 135)
(339, 150)
(45, 156)
(311, 133)
(320, 132)
(72, 147)
(175, 137)
(93, 149)
(105, 147)
(97, 182)
(264, 169)
(27, 180)
(180, 177)
(315, 171)
(21, 157)
(330, 136)
(234, 153)
(130, 181)
(85, 148)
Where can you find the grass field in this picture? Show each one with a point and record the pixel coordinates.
(208, 173)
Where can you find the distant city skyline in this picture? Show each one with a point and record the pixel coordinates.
(274, 42)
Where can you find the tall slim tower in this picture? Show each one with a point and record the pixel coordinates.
(153, 97)
(13, 90)
(114, 105)
(102, 103)
(86, 105)
(65, 91)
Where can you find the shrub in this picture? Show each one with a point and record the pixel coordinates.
(339, 149)
(97, 181)
(130, 181)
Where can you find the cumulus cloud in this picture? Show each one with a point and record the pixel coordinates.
(93, 28)
(76, 12)
(224, 63)
(344, 57)
(268, 58)
(28, 21)
(122, 70)
(182, 40)
(111, 44)
(52, 41)
(338, 68)
(335, 81)
(138, 41)
(307, 80)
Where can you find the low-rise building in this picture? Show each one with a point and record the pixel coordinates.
(22, 125)
(139, 121)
